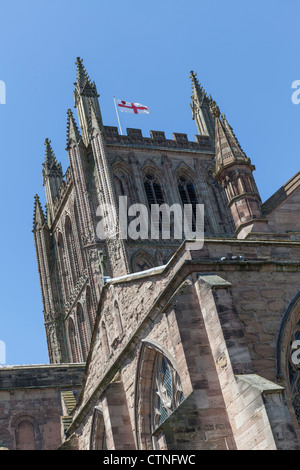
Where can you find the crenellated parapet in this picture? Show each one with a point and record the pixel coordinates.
(157, 139)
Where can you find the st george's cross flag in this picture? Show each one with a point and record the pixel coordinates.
(135, 108)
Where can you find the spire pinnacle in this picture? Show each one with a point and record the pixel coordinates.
(198, 90)
(82, 76)
(83, 80)
(50, 163)
(38, 214)
(48, 152)
(85, 92)
(72, 129)
(201, 110)
(228, 149)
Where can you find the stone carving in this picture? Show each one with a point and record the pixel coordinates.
(76, 291)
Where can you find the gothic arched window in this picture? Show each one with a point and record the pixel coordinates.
(62, 265)
(118, 321)
(71, 250)
(167, 391)
(142, 261)
(73, 341)
(294, 374)
(119, 186)
(187, 193)
(89, 306)
(98, 435)
(79, 239)
(159, 392)
(153, 189)
(123, 183)
(104, 340)
(82, 326)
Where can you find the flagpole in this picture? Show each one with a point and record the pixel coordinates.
(118, 116)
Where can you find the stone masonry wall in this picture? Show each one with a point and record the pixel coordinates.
(32, 394)
(258, 290)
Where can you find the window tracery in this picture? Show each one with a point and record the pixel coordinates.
(294, 375)
(153, 189)
(167, 391)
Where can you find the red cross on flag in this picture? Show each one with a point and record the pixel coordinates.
(135, 108)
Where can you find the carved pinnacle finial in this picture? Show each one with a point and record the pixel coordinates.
(50, 159)
(38, 214)
(82, 75)
(72, 129)
(196, 86)
(215, 111)
(193, 76)
(49, 151)
(50, 164)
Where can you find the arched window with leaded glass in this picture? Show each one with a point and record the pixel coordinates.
(167, 393)
(159, 393)
(294, 372)
(288, 359)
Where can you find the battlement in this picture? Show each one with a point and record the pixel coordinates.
(135, 138)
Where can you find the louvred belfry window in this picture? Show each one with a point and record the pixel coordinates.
(188, 196)
(153, 190)
(154, 194)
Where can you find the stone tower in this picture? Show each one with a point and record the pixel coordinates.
(74, 260)
(160, 344)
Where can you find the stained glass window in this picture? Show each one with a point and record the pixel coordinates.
(294, 375)
(167, 390)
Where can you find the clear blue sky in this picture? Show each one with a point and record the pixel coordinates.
(246, 54)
